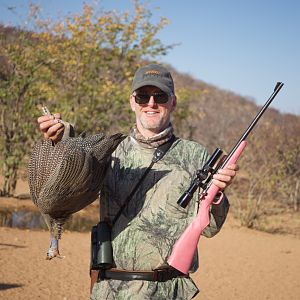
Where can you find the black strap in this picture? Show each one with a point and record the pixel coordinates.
(158, 155)
(160, 275)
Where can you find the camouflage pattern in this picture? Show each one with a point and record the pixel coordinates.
(145, 233)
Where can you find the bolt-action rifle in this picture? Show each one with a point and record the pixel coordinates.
(185, 247)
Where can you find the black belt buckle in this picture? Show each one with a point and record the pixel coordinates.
(161, 275)
(101, 275)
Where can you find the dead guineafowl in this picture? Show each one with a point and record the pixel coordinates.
(66, 177)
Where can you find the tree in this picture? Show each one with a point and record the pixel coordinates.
(17, 100)
(81, 66)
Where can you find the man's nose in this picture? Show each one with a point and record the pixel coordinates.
(151, 101)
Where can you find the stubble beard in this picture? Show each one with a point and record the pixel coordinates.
(156, 127)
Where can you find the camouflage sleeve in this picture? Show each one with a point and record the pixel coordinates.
(218, 214)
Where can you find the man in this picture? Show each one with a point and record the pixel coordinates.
(152, 221)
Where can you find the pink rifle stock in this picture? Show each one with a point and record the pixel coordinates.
(185, 247)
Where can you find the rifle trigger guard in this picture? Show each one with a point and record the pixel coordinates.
(218, 198)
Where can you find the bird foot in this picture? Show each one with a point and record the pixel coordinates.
(52, 252)
(53, 249)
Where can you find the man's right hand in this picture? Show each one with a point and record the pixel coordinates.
(51, 127)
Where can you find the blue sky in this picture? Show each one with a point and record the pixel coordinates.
(237, 45)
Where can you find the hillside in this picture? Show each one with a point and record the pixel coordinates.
(219, 117)
(269, 182)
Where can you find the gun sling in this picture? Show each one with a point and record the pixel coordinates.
(158, 155)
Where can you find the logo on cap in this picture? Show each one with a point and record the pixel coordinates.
(152, 72)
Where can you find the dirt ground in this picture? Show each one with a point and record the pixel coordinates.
(238, 263)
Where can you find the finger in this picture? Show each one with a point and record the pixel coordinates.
(55, 130)
(227, 172)
(58, 136)
(222, 177)
(234, 167)
(45, 118)
(220, 184)
(230, 169)
(44, 126)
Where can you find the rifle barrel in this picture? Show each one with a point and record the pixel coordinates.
(277, 88)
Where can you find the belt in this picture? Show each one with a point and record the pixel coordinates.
(160, 275)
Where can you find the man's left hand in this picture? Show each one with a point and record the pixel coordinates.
(224, 177)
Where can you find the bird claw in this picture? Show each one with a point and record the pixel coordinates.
(53, 249)
(52, 253)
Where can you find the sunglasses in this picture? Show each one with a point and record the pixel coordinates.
(159, 98)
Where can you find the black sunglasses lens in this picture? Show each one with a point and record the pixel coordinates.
(159, 98)
(142, 98)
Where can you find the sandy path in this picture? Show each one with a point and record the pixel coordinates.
(236, 264)
(246, 264)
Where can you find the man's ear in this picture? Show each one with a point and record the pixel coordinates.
(132, 103)
(174, 102)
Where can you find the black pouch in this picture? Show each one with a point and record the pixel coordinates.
(101, 247)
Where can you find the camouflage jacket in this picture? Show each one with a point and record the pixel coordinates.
(145, 233)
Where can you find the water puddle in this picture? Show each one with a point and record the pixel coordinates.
(34, 220)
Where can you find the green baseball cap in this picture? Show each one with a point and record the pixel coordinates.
(155, 75)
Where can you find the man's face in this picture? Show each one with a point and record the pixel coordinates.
(152, 118)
